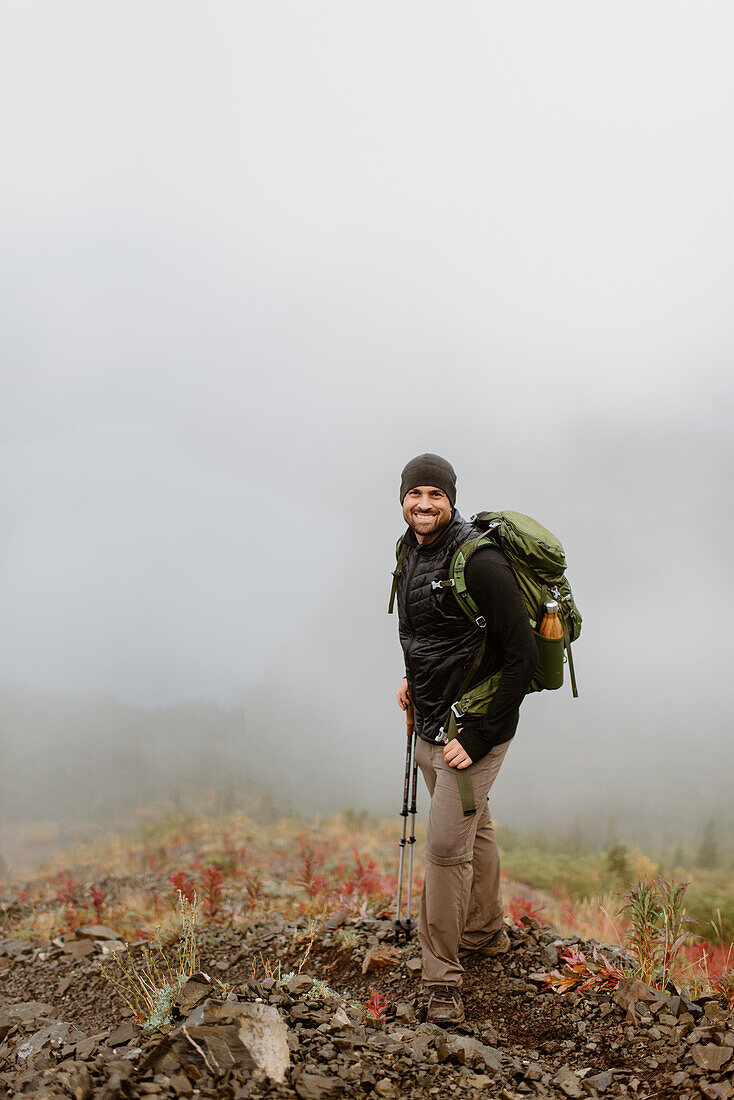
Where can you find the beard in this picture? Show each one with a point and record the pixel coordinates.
(428, 525)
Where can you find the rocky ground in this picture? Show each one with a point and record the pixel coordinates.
(249, 1025)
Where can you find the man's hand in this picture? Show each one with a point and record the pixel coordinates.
(403, 697)
(456, 756)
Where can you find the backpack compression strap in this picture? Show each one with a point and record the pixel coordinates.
(401, 550)
(466, 791)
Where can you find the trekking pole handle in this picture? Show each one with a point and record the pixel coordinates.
(409, 720)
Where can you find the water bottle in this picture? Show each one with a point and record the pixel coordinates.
(551, 625)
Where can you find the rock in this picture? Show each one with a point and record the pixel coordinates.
(715, 1012)
(79, 949)
(414, 966)
(710, 1057)
(699, 1035)
(52, 1035)
(122, 1035)
(217, 1037)
(193, 992)
(716, 1090)
(315, 1086)
(601, 1081)
(631, 990)
(386, 1088)
(404, 1012)
(25, 1011)
(550, 955)
(98, 932)
(381, 954)
(77, 1080)
(111, 947)
(465, 1050)
(15, 948)
(340, 1020)
(337, 920)
(181, 1085)
(568, 1082)
(300, 983)
(86, 1047)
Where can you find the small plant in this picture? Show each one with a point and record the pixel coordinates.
(346, 939)
(67, 888)
(182, 884)
(211, 889)
(312, 936)
(658, 929)
(320, 991)
(151, 991)
(98, 898)
(270, 972)
(254, 888)
(724, 986)
(72, 918)
(375, 1005)
(312, 883)
(580, 973)
(523, 907)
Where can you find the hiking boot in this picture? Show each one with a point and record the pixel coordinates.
(445, 1005)
(498, 945)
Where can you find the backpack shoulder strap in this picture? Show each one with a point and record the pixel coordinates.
(400, 551)
(457, 579)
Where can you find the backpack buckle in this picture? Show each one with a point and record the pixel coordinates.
(481, 622)
(443, 584)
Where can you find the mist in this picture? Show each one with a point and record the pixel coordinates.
(257, 257)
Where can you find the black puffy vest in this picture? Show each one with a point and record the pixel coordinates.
(439, 641)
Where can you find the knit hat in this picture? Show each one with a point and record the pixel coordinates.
(432, 470)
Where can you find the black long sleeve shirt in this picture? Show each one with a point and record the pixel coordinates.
(510, 646)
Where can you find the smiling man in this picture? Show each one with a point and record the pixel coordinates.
(461, 906)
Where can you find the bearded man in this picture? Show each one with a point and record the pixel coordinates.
(461, 906)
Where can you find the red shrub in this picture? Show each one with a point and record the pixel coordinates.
(375, 1004)
(67, 888)
(181, 882)
(211, 889)
(523, 907)
(98, 898)
(312, 883)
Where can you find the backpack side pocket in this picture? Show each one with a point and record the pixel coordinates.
(549, 674)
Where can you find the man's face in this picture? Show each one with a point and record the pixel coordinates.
(427, 510)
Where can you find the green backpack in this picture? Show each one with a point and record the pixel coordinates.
(538, 562)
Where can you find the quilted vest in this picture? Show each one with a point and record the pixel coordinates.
(439, 641)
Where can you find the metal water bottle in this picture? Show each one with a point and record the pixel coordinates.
(551, 625)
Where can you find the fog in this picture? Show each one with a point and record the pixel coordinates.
(255, 257)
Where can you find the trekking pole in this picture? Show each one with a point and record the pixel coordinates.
(411, 838)
(400, 925)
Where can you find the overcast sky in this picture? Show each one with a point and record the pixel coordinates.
(257, 255)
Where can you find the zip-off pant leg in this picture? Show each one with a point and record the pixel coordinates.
(461, 903)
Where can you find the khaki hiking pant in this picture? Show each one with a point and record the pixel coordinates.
(461, 905)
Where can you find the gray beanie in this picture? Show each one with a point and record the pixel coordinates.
(429, 469)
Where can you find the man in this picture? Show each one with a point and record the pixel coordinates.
(461, 906)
